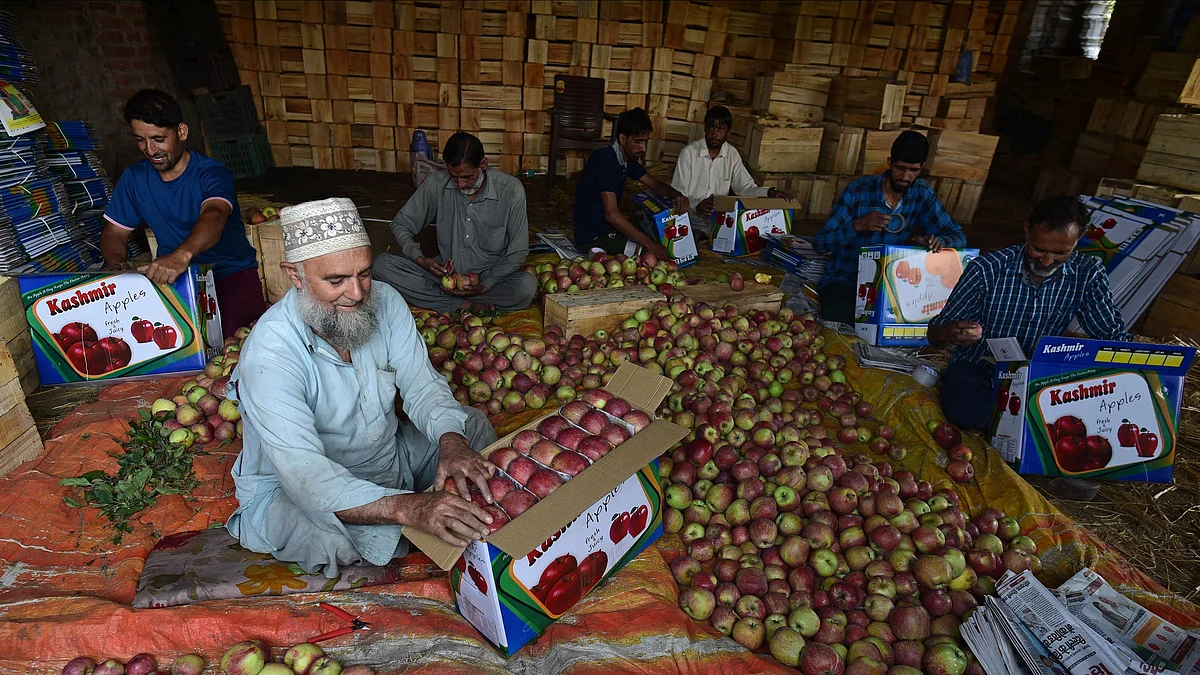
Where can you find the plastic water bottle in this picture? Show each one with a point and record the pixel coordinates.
(421, 144)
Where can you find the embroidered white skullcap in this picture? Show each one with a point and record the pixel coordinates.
(319, 228)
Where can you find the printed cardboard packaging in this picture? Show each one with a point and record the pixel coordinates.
(658, 219)
(1091, 409)
(586, 527)
(740, 223)
(89, 327)
(900, 288)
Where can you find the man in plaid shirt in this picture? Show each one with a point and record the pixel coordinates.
(1025, 291)
(895, 207)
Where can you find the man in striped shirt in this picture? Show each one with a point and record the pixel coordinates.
(1026, 291)
(895, 207)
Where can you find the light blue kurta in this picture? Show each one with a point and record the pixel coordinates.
(322, 436)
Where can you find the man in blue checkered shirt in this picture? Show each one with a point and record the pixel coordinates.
(895, 207)
(1026, 291)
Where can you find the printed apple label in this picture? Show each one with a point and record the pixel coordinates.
(1009, 425)
(1082, 422)
(919, 283)
(108, 325)
(472, 580)
(570, 563)
(1112, 230)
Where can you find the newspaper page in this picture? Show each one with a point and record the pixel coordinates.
(1157, 643)
(986, 635)
(562, 244)
(1067, 639)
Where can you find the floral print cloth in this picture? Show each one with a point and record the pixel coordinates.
(210, 564)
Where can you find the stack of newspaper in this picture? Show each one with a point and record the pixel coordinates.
(1083, 627)
(899, 360)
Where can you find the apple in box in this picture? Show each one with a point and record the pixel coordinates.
(583, 529)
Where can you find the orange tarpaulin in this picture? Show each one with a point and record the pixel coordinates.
(65, 587)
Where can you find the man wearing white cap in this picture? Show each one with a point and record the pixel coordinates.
(327, 475)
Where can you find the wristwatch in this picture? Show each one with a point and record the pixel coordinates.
(771, 192)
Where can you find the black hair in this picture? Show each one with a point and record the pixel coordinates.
(154, 107)
(633, 123)
(719, 116)
(1058, 213)
(463, 148)
(910, 147)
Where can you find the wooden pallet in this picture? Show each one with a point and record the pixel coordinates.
(585, 312)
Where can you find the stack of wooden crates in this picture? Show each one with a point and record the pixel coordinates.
(19, 439)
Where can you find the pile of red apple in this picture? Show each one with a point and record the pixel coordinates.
(202, 413)
(560, 447)
(608, 271)
(461, 282)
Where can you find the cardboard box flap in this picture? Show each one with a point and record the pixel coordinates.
(640, 387)
(730, 202)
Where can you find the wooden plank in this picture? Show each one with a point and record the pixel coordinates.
(276, 283)
(869, 102)
(585, 312)
(841, 149)
(25, 447)
(754, 297)
(1176, 311)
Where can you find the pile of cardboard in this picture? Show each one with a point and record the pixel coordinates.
(19, 439)
(1141, 245)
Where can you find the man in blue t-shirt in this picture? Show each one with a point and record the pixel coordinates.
(189, 202)
(599, 222)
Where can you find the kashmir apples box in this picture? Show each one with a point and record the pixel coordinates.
(741, 223)
(1091, 409)
(658, 220)
(900, 288)
(532, 570)
(90, 327)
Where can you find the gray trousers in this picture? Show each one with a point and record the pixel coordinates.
(320, 543)
(422, 289)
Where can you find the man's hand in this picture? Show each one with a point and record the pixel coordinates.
(930, 242)
(705, 207)
(961, 333)
(460, 463)
(470, 292)
(167, 269)
(874, 221)
(659, 250)
(430, 265)
(681, 204)
(787, 196)
(448, 517)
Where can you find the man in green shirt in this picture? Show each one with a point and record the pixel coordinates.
(482, 228)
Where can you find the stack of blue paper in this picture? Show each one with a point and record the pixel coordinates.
(16, 64)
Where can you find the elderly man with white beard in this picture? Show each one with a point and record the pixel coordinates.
(328, 476)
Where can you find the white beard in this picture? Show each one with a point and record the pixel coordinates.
(344, 330)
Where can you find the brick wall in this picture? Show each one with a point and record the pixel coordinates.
(92, 56)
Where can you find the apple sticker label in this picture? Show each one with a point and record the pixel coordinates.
(103, 327)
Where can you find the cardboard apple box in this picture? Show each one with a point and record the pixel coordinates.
(658, 220)
(582, 527)
(741, 223)
(1091, 409)
(89, 327)
(900, 288)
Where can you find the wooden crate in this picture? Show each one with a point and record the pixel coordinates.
(585, 312)
(841, 149)
(754, 297)
(1172, 77)
(12, 312)
(957, 154)
(275, 282)
(775, 146)
(1173, 153)
(868, 102)
(1100, 156)
(798, 97)
(1176, 311)
(19, 439)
